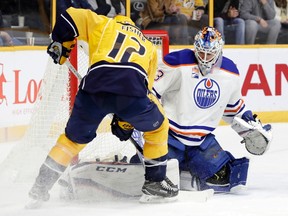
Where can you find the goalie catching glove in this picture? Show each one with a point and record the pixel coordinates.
(256, 137)
(60, 52)
(123, 130)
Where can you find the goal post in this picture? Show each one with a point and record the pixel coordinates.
(160, 38)
(51, 112)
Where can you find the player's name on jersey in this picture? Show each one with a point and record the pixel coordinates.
(134, 30)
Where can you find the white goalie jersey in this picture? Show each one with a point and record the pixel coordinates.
(184, 91)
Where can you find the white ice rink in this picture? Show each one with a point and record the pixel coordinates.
(267, 193)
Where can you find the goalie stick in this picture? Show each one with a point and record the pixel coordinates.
(196, 196)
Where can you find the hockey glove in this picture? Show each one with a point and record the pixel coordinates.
(123, 130)
(60, 52)
(256, 137)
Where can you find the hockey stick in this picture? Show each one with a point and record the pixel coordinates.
(73, 70)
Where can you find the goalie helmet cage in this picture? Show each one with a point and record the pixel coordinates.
(51, 112)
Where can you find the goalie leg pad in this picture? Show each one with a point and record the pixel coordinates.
(174, 153)
(88, 178)
(206, 159)
(176, 150)
(238, 170)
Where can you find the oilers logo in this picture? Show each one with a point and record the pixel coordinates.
(206, 93)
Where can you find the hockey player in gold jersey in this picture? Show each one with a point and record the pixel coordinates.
(119, 80)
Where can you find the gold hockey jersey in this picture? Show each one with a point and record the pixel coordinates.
(121, 59)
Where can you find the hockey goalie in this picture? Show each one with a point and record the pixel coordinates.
(197, 89)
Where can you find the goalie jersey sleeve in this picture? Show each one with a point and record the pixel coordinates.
(195, 104)
(119, 53)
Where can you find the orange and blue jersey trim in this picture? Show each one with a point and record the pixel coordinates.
(233, 109)
(195, 133)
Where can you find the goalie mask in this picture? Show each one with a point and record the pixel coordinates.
(208, 49)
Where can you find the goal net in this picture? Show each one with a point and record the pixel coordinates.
(51, 112)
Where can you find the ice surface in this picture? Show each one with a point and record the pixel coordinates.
(267, 193)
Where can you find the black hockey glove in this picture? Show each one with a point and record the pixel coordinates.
(123, 130)
(60, 52)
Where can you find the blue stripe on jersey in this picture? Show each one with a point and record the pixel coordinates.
(187, 138)
(229, 65)
(127, 79)
(236, 113)
(234, 105)
(185, 56)
(191, 127)
(234, 109)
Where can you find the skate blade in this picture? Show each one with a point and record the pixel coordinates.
(33, 204)
(156, 199)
